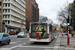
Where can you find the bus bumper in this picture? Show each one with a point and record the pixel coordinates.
(41, 40)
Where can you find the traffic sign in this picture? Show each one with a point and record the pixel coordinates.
(22, 23)
(70, 6)
(21, 26)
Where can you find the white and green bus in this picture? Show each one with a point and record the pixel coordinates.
(41, 32)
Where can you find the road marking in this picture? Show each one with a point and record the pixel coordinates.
(4, 49)
(48, 49)
(27, 36)
(17, 46)
(28, 42)
(55, 36)
(56, 46)
(36, 47)
(59, 35)
(14, 42)
(14, 46)
(69, 48)
(22, 44)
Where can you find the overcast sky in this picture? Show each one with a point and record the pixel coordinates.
(49, 8)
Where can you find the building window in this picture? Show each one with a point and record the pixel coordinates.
(5, 10)
(8, 10)
(5, 0)
(8, 22)
(8, 0)
(0, 3)
(8, 16)
(5, 16)
(0, 10)
(3, 5)
(8, 4)
(5, 21)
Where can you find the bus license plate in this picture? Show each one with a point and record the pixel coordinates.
(38, 39)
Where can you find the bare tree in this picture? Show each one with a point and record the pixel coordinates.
(63, 15)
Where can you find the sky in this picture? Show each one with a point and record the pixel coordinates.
(50, 8)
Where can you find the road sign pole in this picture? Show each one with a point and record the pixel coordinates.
(22, 23)
(69, 13)
(68, 29)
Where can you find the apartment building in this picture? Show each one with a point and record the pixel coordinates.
(1, 14)
(13, 14)
(32, 12)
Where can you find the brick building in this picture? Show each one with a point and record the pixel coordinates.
(32, 12)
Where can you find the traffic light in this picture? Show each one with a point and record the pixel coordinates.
(68, 20)
(68, 23)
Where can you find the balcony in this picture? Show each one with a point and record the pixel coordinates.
(18, 16)
(18, 11)
(6, 1)
(18, 6)
(19, 2)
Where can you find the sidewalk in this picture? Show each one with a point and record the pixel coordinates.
(60, 36)
(61, 43)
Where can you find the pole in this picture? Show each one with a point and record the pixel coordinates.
(68, 40)
(68, 29)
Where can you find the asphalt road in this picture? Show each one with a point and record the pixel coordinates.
(24, 44)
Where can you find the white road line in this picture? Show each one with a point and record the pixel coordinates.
(36, 47)
(14, 42)
(4, 49)
(59, 35)
(28, 42)
(22, 44)
(48, 49)
(69, 48)
(17, 46)
(55, 36)
(56, 46)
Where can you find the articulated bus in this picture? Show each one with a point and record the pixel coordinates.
(41, 32)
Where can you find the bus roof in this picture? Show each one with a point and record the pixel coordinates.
(41, 22)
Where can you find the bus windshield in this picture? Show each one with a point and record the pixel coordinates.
(39, 31)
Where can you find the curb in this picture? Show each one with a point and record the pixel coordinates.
(70, 46)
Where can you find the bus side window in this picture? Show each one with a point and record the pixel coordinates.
(50, 29)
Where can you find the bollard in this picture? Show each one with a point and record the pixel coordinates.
(62, 34)
(68, 40)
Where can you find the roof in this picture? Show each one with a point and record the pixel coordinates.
(41, 22)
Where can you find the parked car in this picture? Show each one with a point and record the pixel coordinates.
(22, 34)
(4, 38)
